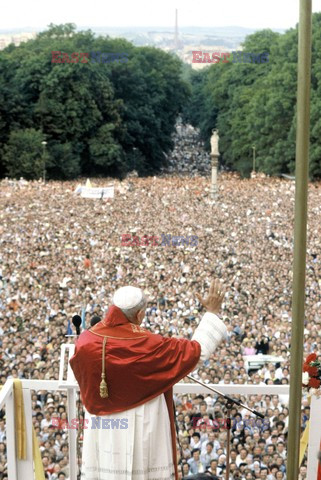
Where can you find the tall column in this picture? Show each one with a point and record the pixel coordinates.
(214, 158)
(214, 163)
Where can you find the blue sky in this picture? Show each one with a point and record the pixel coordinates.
(246, 13)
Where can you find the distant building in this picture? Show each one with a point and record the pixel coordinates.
(5, 40)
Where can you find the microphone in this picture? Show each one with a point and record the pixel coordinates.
(76, 321)
(94, 320)
(258, 414)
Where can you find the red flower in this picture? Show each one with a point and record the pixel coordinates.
(311, 358)
(306, 367)
(313, 371)
(314, 383)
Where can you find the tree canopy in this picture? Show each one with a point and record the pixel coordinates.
(254, 105)
(98, 117)
(109, 107)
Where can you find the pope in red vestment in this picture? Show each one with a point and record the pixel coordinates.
(120, 365)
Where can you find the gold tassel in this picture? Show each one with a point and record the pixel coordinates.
(103, 385)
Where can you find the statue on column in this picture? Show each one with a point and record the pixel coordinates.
(214, 161)
(214, 143)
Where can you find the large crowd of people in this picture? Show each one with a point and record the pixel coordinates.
(188, 157)
(62, 254)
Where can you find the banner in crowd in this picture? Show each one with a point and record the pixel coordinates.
(88, 191)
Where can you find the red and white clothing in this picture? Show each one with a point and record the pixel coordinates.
(141, 369)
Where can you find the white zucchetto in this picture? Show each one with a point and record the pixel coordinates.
(127, 297)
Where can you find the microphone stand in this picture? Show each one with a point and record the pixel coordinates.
(229, 404)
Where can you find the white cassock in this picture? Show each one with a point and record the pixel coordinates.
(143, 451)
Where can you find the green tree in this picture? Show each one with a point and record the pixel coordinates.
(63, 160)
(151, 107)
(23, 154)
(253, 104)
(101, 118)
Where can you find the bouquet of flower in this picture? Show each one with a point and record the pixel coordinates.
(311, 377)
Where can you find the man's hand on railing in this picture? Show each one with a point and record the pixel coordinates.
(215, 297)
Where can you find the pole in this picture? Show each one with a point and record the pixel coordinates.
(253, 159)
(44, 160)
(214, 163)
(300, 229)
(44, 164)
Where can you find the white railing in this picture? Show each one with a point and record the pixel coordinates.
(22, 469)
